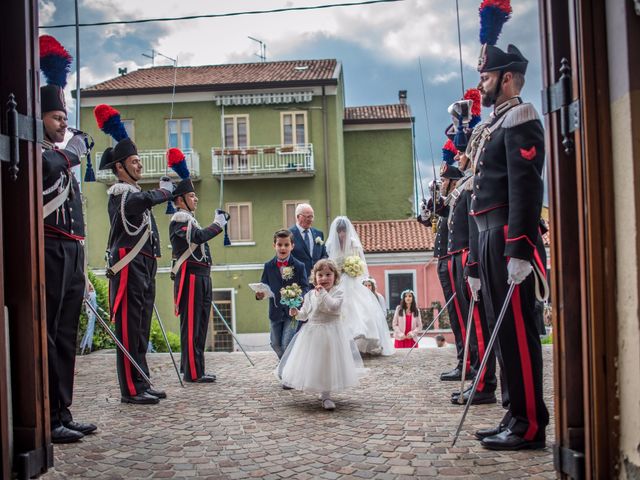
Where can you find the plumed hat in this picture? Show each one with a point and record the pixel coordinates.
(55, 63)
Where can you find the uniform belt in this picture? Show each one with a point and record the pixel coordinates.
(492, 219)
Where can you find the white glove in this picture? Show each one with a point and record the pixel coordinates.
(220, 218)
(425, 214)
(518, 270)
(167, 184)
(475, 284)
(77, 145)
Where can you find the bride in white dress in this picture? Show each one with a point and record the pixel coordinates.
(361, 313)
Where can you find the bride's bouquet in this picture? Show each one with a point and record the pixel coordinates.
(291, 296)
(353, 266)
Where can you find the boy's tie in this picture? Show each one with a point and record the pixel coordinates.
(282, 264)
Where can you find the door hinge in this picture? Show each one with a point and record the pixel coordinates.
(19, 127)
(558, 97)
(567, 461)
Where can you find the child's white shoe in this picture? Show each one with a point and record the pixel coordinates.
(328, 404)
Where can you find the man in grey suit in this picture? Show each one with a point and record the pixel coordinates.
(308, 241)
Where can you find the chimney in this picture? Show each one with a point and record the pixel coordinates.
(402, 96)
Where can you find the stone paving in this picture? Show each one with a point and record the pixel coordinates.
(397, 425)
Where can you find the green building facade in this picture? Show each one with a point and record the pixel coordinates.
(269, 135)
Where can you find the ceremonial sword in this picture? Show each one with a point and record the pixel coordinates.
(117, 342)
(465, 355)
(483, 364)
(232, 334)
(164, 334)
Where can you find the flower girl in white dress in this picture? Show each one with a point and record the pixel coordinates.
(363, 315)
(322, 358)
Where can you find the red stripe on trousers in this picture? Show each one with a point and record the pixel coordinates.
(192, 363)
(457, 305)
(525, 363)
(122, 287)
(478, 324)
(177, 300)
(123, 295)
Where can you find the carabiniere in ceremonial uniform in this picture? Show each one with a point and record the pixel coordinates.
(506, 204)
(63, 251)
(191, 272)
(133, 249)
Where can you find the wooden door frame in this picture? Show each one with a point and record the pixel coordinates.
(23, 246)
(582, 213)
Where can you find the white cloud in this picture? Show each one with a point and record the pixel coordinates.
(443, 78)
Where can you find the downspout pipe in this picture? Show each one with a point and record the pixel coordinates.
(325, 154)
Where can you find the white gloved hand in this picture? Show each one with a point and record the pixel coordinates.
(475, 284)
(77, 145)
(220, 218)
(425, 214)
(167, 184)
(518, 270)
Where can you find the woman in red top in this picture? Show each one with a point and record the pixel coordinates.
(407, 323)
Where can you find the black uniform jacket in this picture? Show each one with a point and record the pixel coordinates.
(137, 204)
(458, 222)
(179, 243)
(67, 222)
(509, 174)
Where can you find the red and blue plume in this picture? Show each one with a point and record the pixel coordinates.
(55, 61)
(493, 15)
(449, 151)
(108, 119)
(177, 161)
(473, 94)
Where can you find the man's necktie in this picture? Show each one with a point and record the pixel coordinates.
(305, 236)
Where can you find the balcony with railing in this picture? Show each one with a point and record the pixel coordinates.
(154, 166)
(264, 161)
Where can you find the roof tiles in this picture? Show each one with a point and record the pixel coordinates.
(398, 111)
(385, 236)
(212, 76)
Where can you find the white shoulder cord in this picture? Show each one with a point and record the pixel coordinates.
(129, 227)
(203, 256)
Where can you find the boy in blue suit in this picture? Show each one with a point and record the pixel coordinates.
(281, 271)
(308, 241)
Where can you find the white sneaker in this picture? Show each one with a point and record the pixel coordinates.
(328, 404)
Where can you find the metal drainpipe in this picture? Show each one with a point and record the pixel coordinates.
(325, 154)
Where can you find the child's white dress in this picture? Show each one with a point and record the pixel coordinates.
(321, 357)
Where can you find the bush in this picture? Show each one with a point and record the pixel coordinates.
(157, 339)
(548, 340)
(101, 339)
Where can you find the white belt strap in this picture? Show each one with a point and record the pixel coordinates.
(56, 202)
(183, 258)
(124, 261)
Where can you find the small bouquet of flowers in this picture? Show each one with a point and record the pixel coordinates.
(353, 266)
(291, 296)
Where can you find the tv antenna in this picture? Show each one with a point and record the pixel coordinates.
(155, 54)
(263, 49)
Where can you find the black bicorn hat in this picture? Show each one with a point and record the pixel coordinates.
(52, 99)
(450, 172)
(493, 59)
(185, 186)
(106, 160)
(124, 149)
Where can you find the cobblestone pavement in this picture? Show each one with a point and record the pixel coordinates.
(397, 425)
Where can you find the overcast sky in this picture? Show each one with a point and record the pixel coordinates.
(378, 45)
